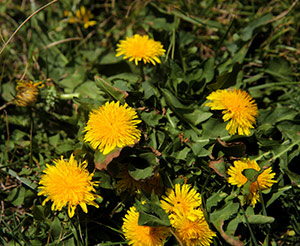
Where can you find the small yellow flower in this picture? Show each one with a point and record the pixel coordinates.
(26, 93)
(111, 126)
(236, 177)
(238, 107)
(140, 48)
(194, 232)
(142, 235)
(68, 182)
(82, 16)
(183, 199)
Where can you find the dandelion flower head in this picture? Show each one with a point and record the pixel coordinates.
(140, 48)
(193, 232)
(26, 93)
(82, 16)
(142, 235)
(68, 183)
(182, 200)
(236, 177)
(238, 107)
(112, 125)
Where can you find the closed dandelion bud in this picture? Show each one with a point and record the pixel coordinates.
(26, 93)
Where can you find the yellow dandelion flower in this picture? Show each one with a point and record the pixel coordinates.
(26, 93)
(238, 107)
(193, 232)
(112, 125)
(68, 182)
(183, 200)
(142, 235)
(236, 177)
(140, 48)
(82, 16)
(126, 182)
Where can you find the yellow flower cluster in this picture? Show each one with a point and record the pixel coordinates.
(68, 183)
(186, 217)
(113, 125)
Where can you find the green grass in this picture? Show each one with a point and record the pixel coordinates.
(251, 45)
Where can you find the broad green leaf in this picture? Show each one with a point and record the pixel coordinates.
(8, 91)
(247, 32)
(213, 200)
(280, 69)
(151, 118)
(223, 214)
(149, 90)
(56, 228)
(38, 212)
(113, 92)
(72, 81)
(260, 219)
(104, 179)
(151, 213)
(209, 72)
(251, 174)
(226, 79)
(16, 196)
(88, 89)
(143, 166)
(197, 116)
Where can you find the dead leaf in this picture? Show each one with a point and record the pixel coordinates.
(229, 239)
(103, 165)
(155, 151)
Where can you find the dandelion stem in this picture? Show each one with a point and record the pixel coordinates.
(142, 72)
(31, 137)
(249, 227)
(177, 238)
(261, 200)
(5, 105)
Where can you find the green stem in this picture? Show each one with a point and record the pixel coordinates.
(31, 137)
(261, 200)
(249, 227)
(142, 71)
